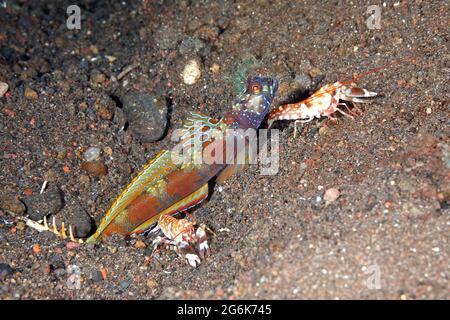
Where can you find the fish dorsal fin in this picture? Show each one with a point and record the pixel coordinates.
(197, 123)
(198, 130)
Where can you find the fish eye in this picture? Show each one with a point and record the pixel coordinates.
(255, 88)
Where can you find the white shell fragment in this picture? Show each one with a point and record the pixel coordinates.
(191, 73)
(92, 154)
(3, 88)
(331, 195)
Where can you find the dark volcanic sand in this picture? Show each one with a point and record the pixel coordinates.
(391, 164)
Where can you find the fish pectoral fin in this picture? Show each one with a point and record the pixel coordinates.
(191, 200)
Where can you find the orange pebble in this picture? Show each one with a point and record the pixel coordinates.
(36, 248)
(28, 192)
(66, 169)
(10, 113)
(104, 273)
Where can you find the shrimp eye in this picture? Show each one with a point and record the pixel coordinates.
(255, 88)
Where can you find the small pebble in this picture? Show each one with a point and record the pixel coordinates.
(95, 168)
(30, 94)
(323, 130)
(105, 113)
(108, 151)
(111, 59)
(10, 113)
(331, 195)
(97, 276)
(413, 210)
(47, 269)
(92, 154)
(83, 106)
(72, 245)
(3, 88)
(84, 179)
(191, 72)
(36, 248)
(112, 249)
(314, 72)
(97, 77)
(12, 204)
(5, 270)
(20, 225)
(215, 68)
(50, 175)
(139, 244)
(152, 284)
(124, 284)
(104, 272)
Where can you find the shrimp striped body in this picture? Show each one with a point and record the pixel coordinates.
(174, 228)
(323, 103)
(187, 239)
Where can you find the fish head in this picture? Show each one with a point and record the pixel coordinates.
(253, 104)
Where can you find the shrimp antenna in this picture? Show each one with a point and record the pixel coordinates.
(390, 64)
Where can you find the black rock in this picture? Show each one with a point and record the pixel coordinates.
(146, 115)
(57, 262)
(9, 54)
(48, 203)
(5, 270)
(82, 224)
